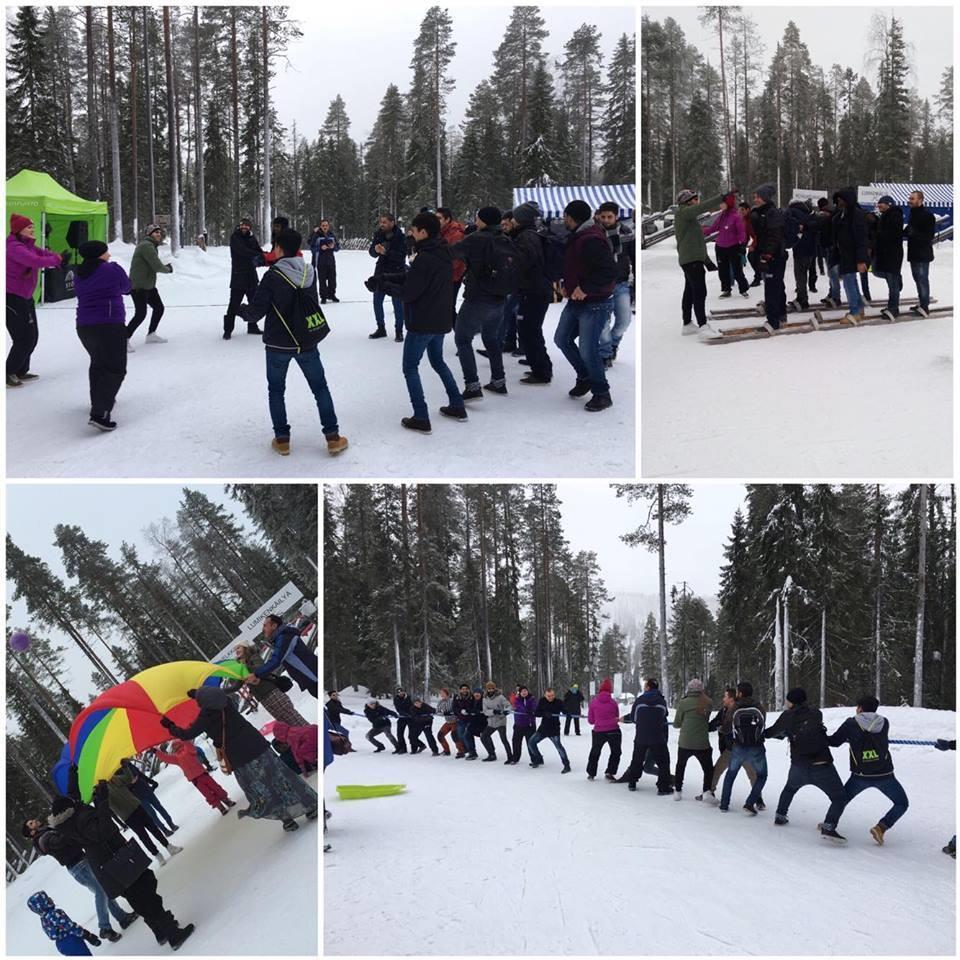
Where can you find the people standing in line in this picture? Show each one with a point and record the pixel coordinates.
(421, 721)
(723, 723)
(69, 938)
(801, 228)
(692, 251)
(850, 249)
(867, 735)
(25, 260)
(245, 257)
(603, 715)
(324, 244)
(144, 267)
(404, 707)
(293, 327)
(524, 721)
(389, 248)
(730, 241)
(445, 710)
(747, 722)
(428, 295)
(920, 231)
(589, 277)
(183, 755)
(692, 719)
(619, 236)
(379, 717)
(768, 225)
(548, 709)
(572, 706)
(100, 287)
(495, 708)
(649, 717)
(534, 295)
(888, 254)
(810, 760)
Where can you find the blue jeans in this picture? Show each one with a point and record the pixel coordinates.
(584, 320)
(921, 277)
(621, 317)
(82, 872)
(739, 755)
(851, 287)
(890, 787)
(309, 362)
(466, 737)
(487, 320)
(155, 808)
(894, 282)
(536, 756)
(835, 283)
(415, 345)
(378, 299)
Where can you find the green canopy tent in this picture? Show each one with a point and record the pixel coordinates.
(63, 222)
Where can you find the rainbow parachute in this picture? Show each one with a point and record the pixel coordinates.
(125, 719)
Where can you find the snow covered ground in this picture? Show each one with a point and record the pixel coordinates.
(197, 406)
(228, 881)
(482, 858)
(871, 402)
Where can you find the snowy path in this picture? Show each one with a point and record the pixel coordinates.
(228, 881)
(872, 402)
(483, 858)
(197, 406)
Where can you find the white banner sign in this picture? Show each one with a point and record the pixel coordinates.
(617, 684)
(812, 195)
(279, 603)
(868, 196)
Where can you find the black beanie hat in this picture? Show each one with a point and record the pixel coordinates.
(491, 216)
(797, 695)
(579, 210)
(92, 249)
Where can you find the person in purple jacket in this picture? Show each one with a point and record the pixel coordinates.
(524, 721)
(100, 286)
(24, 263)
(603, 715)
(731, 239)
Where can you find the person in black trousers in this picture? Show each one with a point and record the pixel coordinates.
(920, 230)
(572, 705)
(404, 707)
(325, 245)
(534, 294)
(245, 257)
(421, 721)
(649, 717)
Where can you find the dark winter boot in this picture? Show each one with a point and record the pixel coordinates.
(566, 768)
(289, 825)
(951, 848)
(580, 389)
(470, 756)
(109, 934)
(473, 393)
(829, 832)
(378, 334)
(178, 936)
(489, 758)
(454, 413)
(750, 809)
(600, 401)
(610, 777)
(129, 919)
(780, 820)
(416, 424)
(380, 749)
(227, 327)
(102, 422)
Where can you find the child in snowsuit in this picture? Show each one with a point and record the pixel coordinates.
(67, 935)
(184, 756)
(302, 741)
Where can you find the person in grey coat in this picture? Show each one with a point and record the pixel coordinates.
(495, 708)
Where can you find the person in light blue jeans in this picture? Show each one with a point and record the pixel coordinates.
(618, 321)
(583, 321)
(414, 347)
(536, 756)
(739, 755)
(309, 362)
(106, 907)
(851, 286)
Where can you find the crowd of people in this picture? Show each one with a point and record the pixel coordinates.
(88, 838)
(510, 265)
(740, 721)
(838, 240)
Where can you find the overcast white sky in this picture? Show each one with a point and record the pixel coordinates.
(358, 48)
(834, 34)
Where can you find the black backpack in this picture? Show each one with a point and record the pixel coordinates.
(554, 248)
(304, 320)
(808, 737)
(874, 758)
(500, 273)
(748, 726)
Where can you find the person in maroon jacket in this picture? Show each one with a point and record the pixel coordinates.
(589, 276)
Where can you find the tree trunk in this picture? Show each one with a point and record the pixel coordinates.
(93, 158)
(114, 134)
(823, 658)
(483, 587)
(146, 78)
(198, 120)
(135, 171)
(777, 659)
(424, 600)
(439, 115)
(172, 137)
(235, 95)
(396, 651)
(786, 641)
(661, 544)
(921, 601)
(878, 566)
(723, 87)
(267, 146)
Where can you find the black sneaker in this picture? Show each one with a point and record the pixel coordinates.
(780, 820)
(631, 786)
(830, 833)
(177, 938)
(761, 805)
(610, 777)
(470, 756)
(378, 334)
(102, 422)
(750, 809)
(534, 379)
(600, 401)
(126, 923)
(398, 338)
(227, 335)
(289, 825)
(517, 353)
(665, 793)
(454, 413)
(500, 388)
(28, 377)
(951, 849)
(419, 426)
(333, 299)
(474, 393)
(566, 768)
(536, 763)
(323, 302)
(590, 776)
(109, 934)
(379, 749)
(726, 295)
(580, 389)
(489, 759)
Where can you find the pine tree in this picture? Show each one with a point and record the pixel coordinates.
(620, 117)
(385, 153)
(893, 105)
(583, 91)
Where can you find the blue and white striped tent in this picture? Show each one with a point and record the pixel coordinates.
(937, 197)
(552, 200)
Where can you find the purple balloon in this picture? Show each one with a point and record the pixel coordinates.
(20, 641)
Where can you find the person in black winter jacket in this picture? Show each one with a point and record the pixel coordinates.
(802, 224)
(920, 231)
(572, 707)
(649, 717)
(867, 734)
(335, 709)
(421, 721)
(274, 300)
(534, 293)
(850, 248)
(389, 247)
(324, 246)
(888, 253)
(810, 760)
(404, 707)
(767, 222)
(470, 712)
(428, 293)
(379, 717)
(245, 257)
(549, 709)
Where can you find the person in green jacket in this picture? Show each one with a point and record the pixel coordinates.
(692, 250)
(692, 718)
(144, 268)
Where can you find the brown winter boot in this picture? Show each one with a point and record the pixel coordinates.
(877, 833)
(281, 446)
(336, 444)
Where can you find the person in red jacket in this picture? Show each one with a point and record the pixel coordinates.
(302, 741)
(183, 754)
(451, 232)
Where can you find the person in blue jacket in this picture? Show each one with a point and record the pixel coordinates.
(323, 245)
(289, 653)
(71, 939)
(389, 248)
